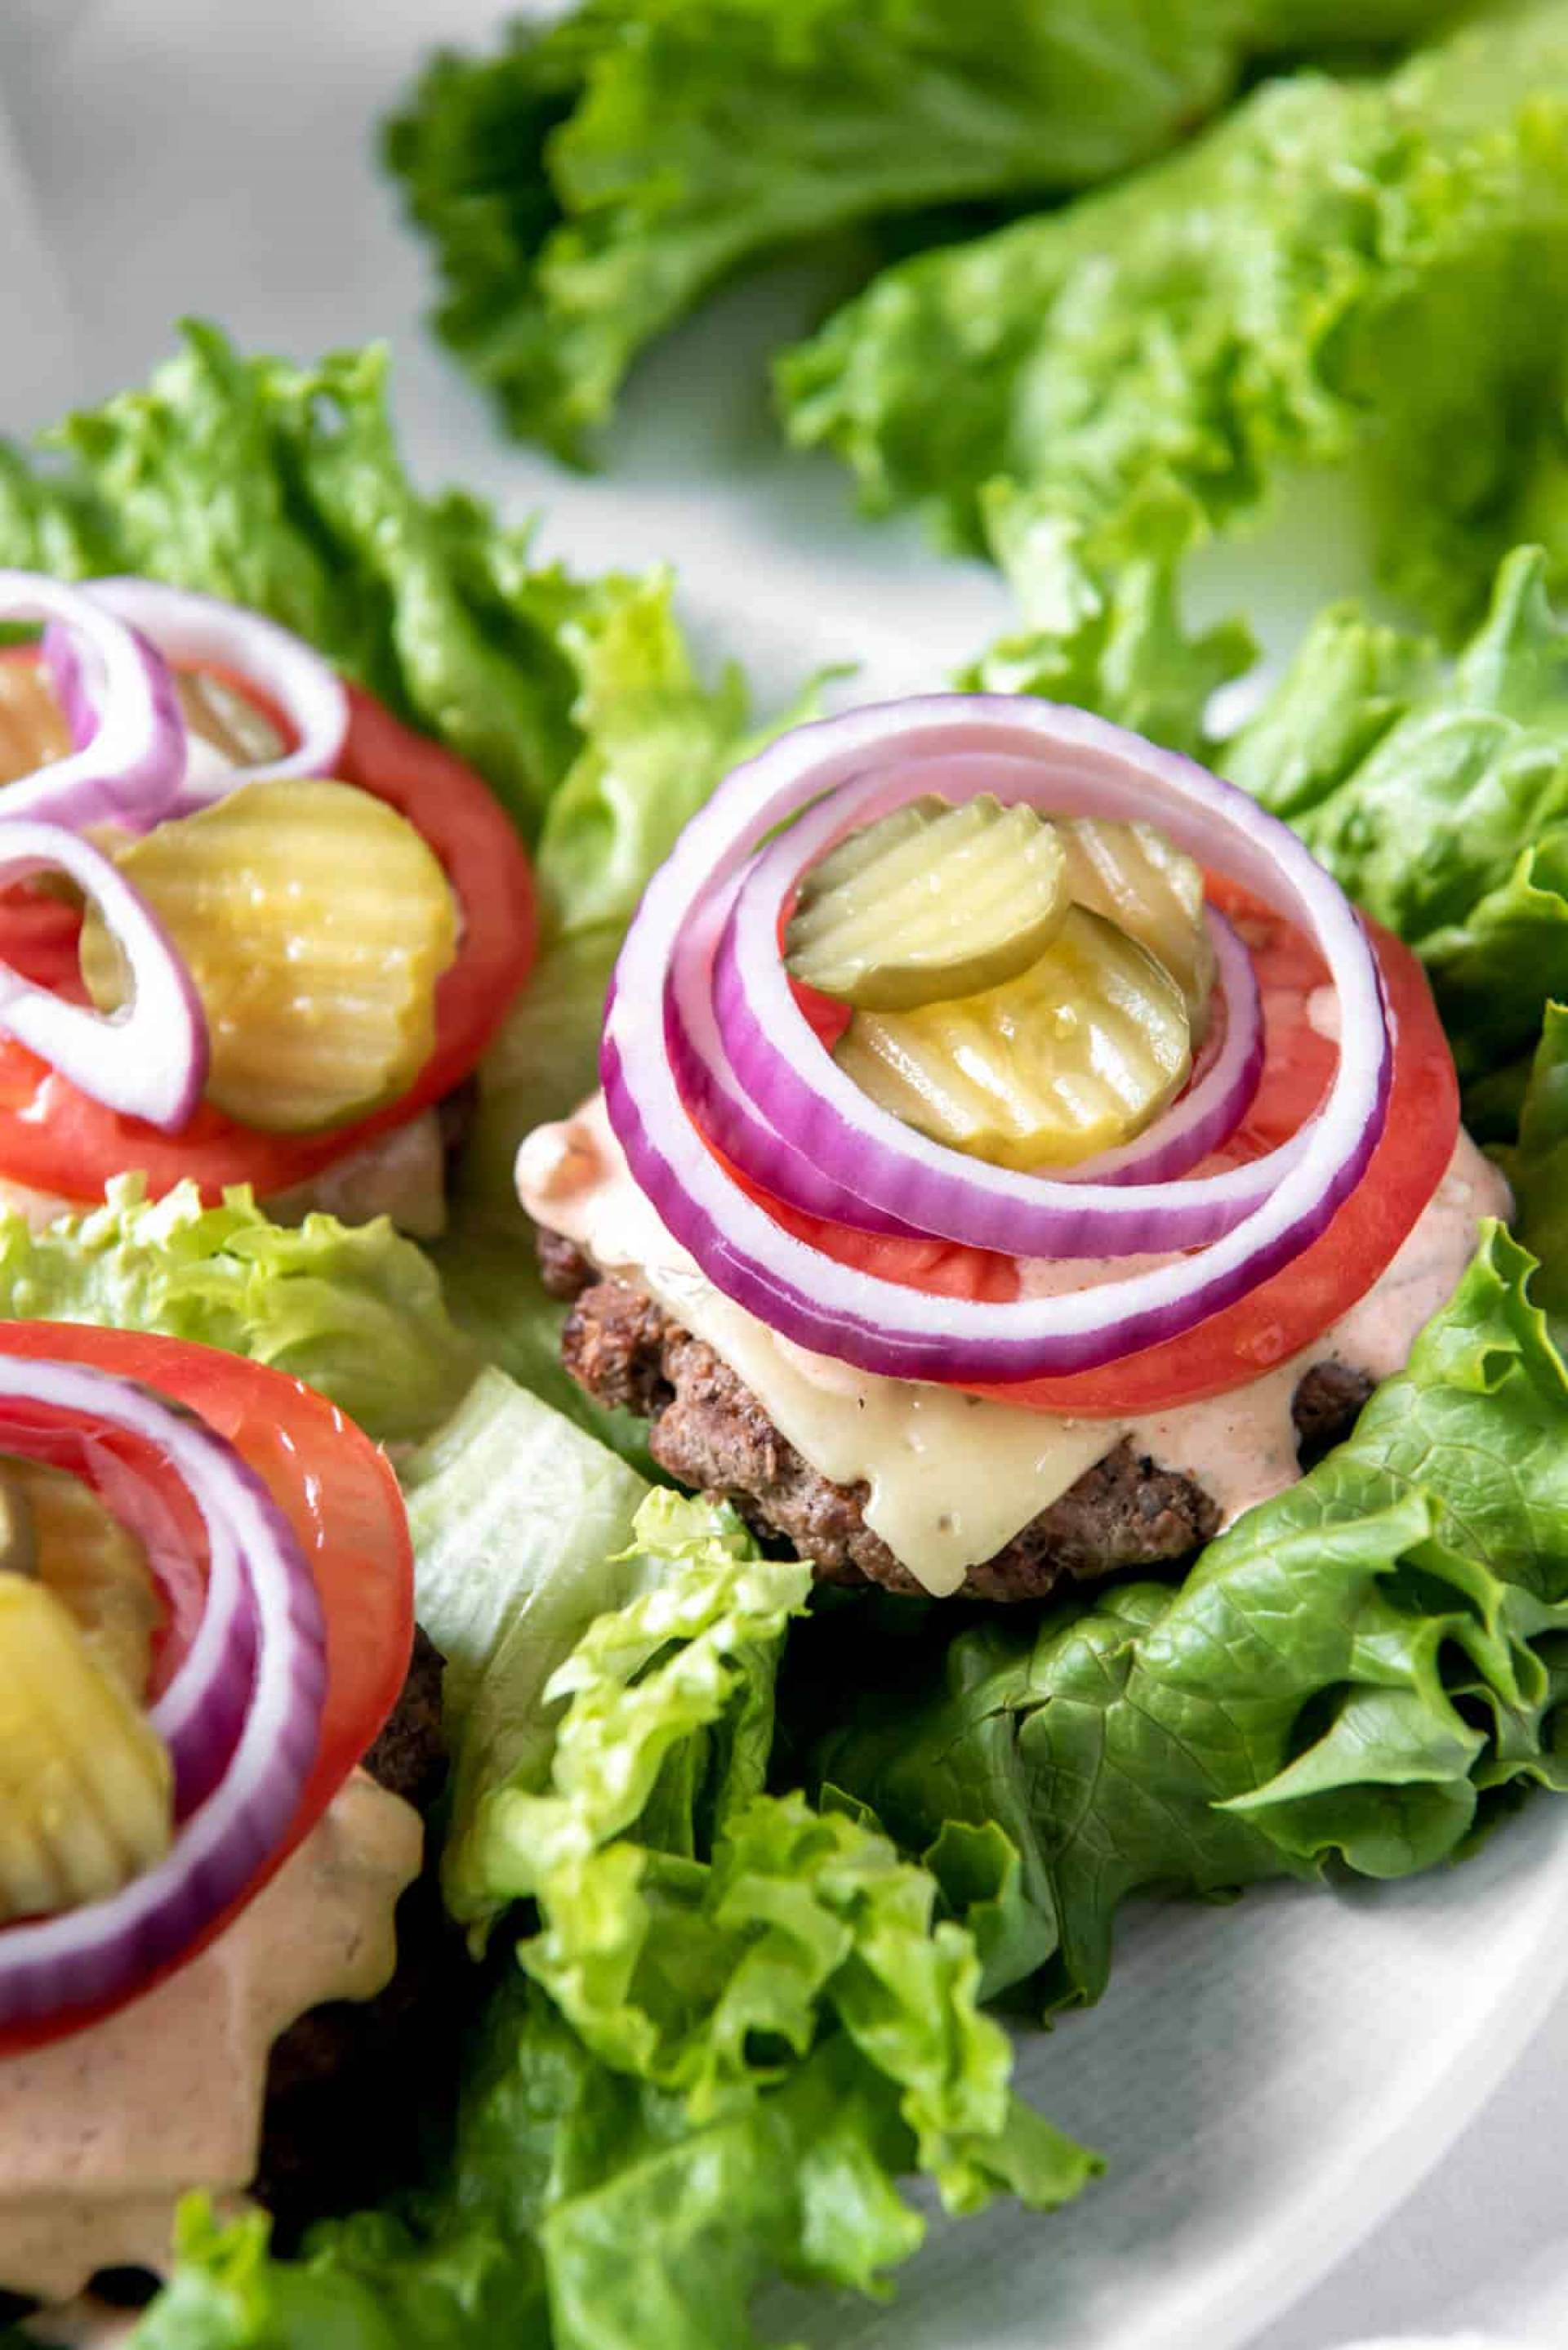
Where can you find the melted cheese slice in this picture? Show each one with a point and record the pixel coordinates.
(952, 1477)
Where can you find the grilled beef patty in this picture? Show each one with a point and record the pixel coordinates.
(710, 1431)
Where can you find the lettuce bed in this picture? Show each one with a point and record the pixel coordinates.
(739, 1868)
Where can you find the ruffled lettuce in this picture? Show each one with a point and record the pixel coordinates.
(736, 2024)
(354, 1311)
(1361, 1671)
(281, 487)
(1358, 272)
(588, 183)
(1439, 798)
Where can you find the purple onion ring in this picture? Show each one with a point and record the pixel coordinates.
(1072, 763)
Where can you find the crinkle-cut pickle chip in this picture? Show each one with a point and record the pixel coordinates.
(33, 730)
(1075, 1057)
(87, 1788)
(315, 922)
(1137, 879)
(80, 1550)
(930, 902)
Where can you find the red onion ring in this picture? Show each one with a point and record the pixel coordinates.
(88, 1957)
(722, 1105)
(148, 1061)
(192, 630)
(131, 771)
(799, 1090)
(1077, 765)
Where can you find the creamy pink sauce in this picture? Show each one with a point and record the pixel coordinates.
(102, 2133)
(954, 1478)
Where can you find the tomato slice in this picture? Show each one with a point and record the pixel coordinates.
(1286, 1313)
(341, 1497)
(56, 1139)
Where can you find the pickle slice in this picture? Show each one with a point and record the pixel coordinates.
(86, 1790)
(18, 1540)
(1133, 876)
(928, 902)
(33, 730)
(1074, 1056)
(91, 1562)
(220, 715)
(316, 922)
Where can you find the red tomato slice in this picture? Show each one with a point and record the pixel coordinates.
(1286, 1313)
(56, 1139)
(342, 1501)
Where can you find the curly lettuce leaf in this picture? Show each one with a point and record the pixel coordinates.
(589, 183)
(658, 743)
(1537, 1167)
(737, 2024)
(1117, 644)
(1439, 798)
(281, 487)
(1367, 274)
(1356, 1672)
(354, 1311)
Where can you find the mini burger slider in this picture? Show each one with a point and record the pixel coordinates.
(216, 1731)
(1015, 1158)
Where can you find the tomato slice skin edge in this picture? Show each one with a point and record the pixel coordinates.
(338, 1492)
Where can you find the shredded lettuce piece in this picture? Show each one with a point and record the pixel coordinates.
(1357, 273)
(281, 487)
(1361, 1669)
(590, 182)
(356, 1312)
(1438, 799)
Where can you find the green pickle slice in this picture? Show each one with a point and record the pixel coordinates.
(930, 902)
(316, 922)
(1137, 879)
(86, 1791)
(92, 1564)
(1073, 1056)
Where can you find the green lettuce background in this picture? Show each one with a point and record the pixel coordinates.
(588, 183)
(1365, 274)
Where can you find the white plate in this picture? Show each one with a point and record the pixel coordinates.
(1267, 2080)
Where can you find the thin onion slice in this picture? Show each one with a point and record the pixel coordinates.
(148, 1060)
(92, 1956)
(722, 1107)
(196, 631)
(132, 771)
(1068, 761)
(780, 1067)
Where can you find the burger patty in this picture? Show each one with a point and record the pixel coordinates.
(343, 2089)
(708, 1430)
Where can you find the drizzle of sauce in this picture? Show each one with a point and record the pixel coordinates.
(101, 2133)
(952, 1477)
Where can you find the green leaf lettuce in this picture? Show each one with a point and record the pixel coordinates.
(1356, 1672)
(1360, 272)
(588, 183)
